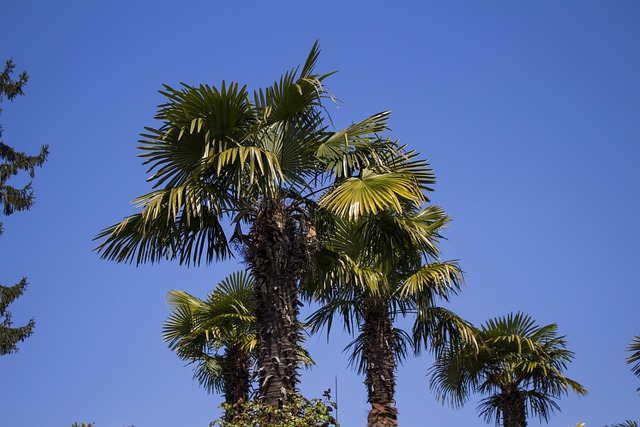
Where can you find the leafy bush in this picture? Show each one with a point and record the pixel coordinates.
(85, 425)
(298, 411)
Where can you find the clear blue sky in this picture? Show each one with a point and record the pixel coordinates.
(528, 111)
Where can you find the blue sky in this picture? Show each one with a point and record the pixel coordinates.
(528, 112)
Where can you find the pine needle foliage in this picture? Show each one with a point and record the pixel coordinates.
(9, 336)
(14, 199)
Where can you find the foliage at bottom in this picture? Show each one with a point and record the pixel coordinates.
(297, 411)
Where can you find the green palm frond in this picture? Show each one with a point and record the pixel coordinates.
(199, 330)
(140, 239)
(252, 163)
(346, 152)
(454, 376)
(349, 152)
(627, 423)
(178, 330)
(490, 407)
(383, 242)
(439, 279)
(228, 313)
(196, 122)
(343, 302)
(371, 193)
(296, 92)
(397, 241)
(409, 162)
(400, 340)
(334, 269)
(294, 144)
(634, 357)
(437, 329)
(424, 227)
(208, 371)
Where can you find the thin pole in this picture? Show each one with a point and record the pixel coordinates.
(337, 406)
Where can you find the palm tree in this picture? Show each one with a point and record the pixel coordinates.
(270, 165)
(634, 357)
(519, 365)
(370, 273)
(217, 335)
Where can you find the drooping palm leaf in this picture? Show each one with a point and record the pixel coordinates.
(401, 343)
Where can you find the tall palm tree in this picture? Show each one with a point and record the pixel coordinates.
(218, 335)
(269, 165)
(634, 357)
(519, 365)
(371, 272)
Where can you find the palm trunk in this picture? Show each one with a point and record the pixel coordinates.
(380, 363)
(278, 258)
(513, 407)
(235, 370)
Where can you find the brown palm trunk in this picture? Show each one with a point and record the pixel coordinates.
(381, 363)
(513, 407)
(236, 364)
(235, 370)
(278, 258)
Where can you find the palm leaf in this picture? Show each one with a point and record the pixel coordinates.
(634, 357)
(440, 329)
(441, 279)
(627, 423)
(190, 238)
(370, 194)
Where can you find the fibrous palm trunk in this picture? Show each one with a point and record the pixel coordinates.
(513, 407)
(278, 257)
(235, 370)
(380, 363)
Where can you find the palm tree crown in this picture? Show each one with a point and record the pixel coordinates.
(519, 366)
(218, 335)
(270, 165)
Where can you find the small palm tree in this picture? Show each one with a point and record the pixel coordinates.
(218, 335)
(518, 365)
(370, 273)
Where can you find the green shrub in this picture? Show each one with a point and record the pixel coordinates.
(298, 411)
